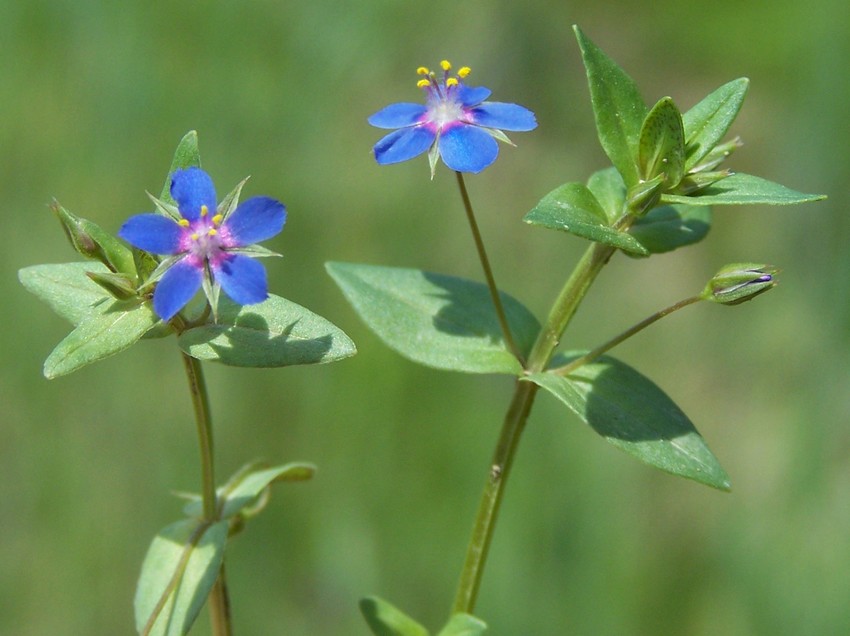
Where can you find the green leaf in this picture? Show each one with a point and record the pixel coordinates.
(186, 155)
(439, 321)
(274, 333)
(610, 191)
(668, 227)
(178, 572)
(661, 149)
(109, 329)
(618, 108)
(709, 121)
(744, 189)
(385, 619)
(573, 208)
(463, 625)
(636, 416)
(66, 288)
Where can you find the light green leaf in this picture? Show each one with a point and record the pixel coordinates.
(633, 414)
(186, 155)
(385, 619)
(610, 191)
(109, 329)
(179, 570)
(439, 321)
(743, 189)
(668, 227)
(573, 208)
(66, 288)
(274, 333)
(708, 122)
(463, 625)
(618, 108)
(661, 149)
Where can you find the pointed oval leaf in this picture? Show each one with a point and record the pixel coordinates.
(66, 288)
(385, 619)
(179, 570)
(463, 625)
(610, 191)
(633, 414)
(274, 333)
(618, 108)
(669, 227)
(744, 189)
(107, 330)
(185, 156)
(709, 121)
(661, 149)
(573, 208)
(439, 321)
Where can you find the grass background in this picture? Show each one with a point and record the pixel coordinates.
(94, 96)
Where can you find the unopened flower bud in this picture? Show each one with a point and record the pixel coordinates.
(90, 240)
(739, 282)
(643, 196)
(716, 156)
(118, 285)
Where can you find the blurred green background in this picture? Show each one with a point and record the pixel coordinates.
(94, 96)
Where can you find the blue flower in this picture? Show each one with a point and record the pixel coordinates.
(455, 124)
(207, 247)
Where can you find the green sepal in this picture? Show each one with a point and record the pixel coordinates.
(146, 264)
(744, 189)
(90, 240)
(66, 288)
(709, 121)
(661, 148)
(632, 413)
(108, 329)
(384, 619)
(118, 285)
(573, 208)
(618, 108)
(274, 333)
(669, 227)
(185, 156)
(645, 195)
(440, 321)
(461, 624)
(179, 570)
(229, 203)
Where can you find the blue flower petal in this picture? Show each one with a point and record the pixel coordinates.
(472, 95)
(255, 220)
(468, 148)
(152, 233)
(176, 288)
(403, 144)
(504, 116)
(242, 278)
(398, 115)
(192, 188)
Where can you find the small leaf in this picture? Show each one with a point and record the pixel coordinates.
(668, 227)
(109, 329)
(66, 288)
(618, 108)
(709, 121)
(274, 333)
(610, 191)
(179, 570)
(385, 619)
(744, 189)
(573, 208)
(661, 149)
(439, 321)
(186, 155)
(636, 416)
(463, 625)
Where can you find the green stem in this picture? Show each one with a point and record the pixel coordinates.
(218, 599)
(488, 272)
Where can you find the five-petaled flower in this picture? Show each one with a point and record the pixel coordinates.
(455, 123)
(206, 246)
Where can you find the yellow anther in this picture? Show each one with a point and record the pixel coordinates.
(422, 70)
(195, 236)
(463, 71)
(452, 81)
(217, 219)
(446, 65)
(423, 83)
(183, 222)
(204, 210)
(212, 232)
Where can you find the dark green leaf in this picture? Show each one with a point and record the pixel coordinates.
(744, 189)
(186, 155)
(439, 321)
(463, 625)
(385, 619)
(708, 122)
(573, 208)
(178, 573)
(633, 414)
(274, 333)
(66, 288)
(668, 227)
(108, 329)
(618, 108)
(610, 191)
(662, 144)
